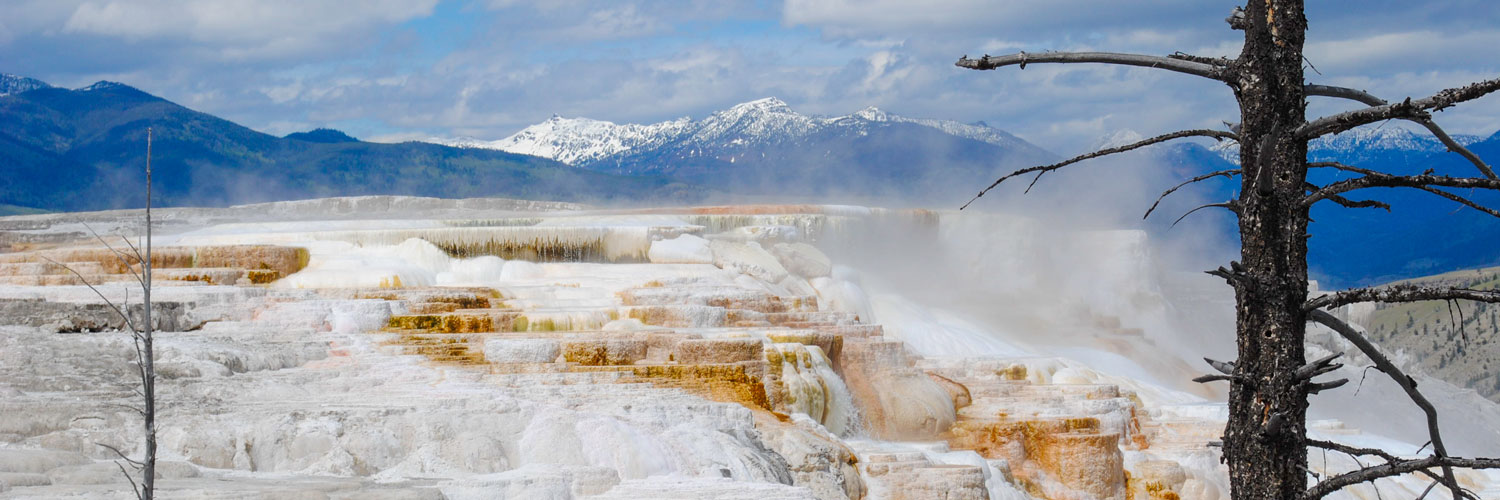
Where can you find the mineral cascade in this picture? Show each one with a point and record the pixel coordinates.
(387, 347)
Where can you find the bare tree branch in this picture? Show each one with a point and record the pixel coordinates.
(1230, 173)
(118, 254)
(133, 487)
(1476, 183)
(1231, 205)
(1237, 19)
(1216, 134)
(1033, 182)
(1455, 147)
(1224, 367)
(1424, 182)
(106, 300)
(1233, 275)
(121, 454)
(1318, 367)
(1389, 469)
(1341, 166)
(1406, 110)
(1348, 203)
(1409, 386)
(1430, 486)
(127, 407)
(1355, 452)
(1352, 450)
(1367, 98)
(1461, 200)
(140, 366)
(133, 248)
(1180, 65)
(1263, 435)
(1211, 61)
(1431, 126)
(1399, 293)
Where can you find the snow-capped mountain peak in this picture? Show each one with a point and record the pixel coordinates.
(101, 85)
(871, 113)
(15, 84)
(760, 118)
(765, 104)
(576, 140)
(1361, 143)
(1387, 137)
(1119, 138)
(581, 141)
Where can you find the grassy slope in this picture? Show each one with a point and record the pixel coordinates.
(6, 210)
(1465, 352)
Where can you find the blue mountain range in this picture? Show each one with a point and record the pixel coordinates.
(82, 149)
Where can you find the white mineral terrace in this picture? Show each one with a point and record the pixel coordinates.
(541, 351)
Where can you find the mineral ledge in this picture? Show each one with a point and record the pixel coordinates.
(387, 347)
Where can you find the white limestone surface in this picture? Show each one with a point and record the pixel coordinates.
(684, 249)
(293, 389)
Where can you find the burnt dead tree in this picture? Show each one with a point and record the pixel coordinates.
(1265, 441)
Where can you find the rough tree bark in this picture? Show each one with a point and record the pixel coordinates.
(1265, 441)
(1265, 438)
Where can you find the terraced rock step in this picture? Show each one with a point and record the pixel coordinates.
(222, 265)
(693, 353)
(1054, 440)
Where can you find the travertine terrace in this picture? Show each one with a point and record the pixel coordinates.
(417, 348)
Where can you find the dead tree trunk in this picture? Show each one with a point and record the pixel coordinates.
(148, 368)
(141, 335)
(1264, 440)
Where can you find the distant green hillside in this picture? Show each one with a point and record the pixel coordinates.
(324, 135)
(1459, 344)
(15, 210)
(85, 150)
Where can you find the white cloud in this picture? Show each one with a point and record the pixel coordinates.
(1480, 117)
(504, 64)
(283, 93)
(886, 71)
(397, 137)
(240, 29)
(582, 21)
(282, 127)
(1405, 51)
(863, 18)
(623, 21)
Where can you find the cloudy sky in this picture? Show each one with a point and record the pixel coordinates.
(396, 69)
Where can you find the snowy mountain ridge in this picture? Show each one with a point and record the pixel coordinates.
(1118, 138)
(576, 141)
(15, 84)
(580, 141)
(1361, 143)
(102, 85)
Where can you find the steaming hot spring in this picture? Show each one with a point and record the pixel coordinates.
(388, 347)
